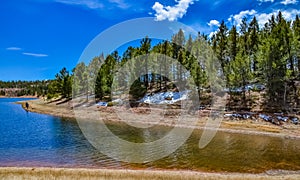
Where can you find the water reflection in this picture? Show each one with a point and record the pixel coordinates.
(236, 153)
(30, 139)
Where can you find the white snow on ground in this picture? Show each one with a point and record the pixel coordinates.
(161, 98)
(102, 104)
(158, 98)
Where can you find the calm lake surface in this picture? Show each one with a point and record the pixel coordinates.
(31, 139)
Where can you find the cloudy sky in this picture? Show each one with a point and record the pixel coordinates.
(39, 37)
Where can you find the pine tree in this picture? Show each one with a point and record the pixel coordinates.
(295, 54)
(253, 43)
(178, 42)
(220, 45)
(296, 42)
(80, 79)
(144, 50)
(270, 54)
(104, 80)
(233, 38)
(274, 55)
(92, 72)
(166, 50)
(63, 83)
(244, 37)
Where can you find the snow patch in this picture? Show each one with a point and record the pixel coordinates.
(164, 97)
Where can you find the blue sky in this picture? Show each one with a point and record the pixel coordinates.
(39, 37)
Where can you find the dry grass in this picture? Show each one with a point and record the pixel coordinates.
(90, 174)
(269, 129)
(250, 125)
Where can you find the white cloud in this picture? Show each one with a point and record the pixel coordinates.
(287, 2)
(120, 3)
(237, 18)
(266, 0)
(212, 34)
(213, 23)
(13, 49)
(92, 4)
(217, 3)
(291, 14)
(263, 18)
(172, 13)
(34, 54)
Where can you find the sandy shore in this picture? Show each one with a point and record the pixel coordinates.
(65, 110)
(91, 174)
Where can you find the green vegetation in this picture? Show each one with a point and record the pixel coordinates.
(252, 59)
(61, 86)
(267, 55)
(24, 88)
(255, 61)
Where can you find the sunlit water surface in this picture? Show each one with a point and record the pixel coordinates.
(31, 139)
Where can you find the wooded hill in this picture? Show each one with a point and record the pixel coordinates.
(258, 64)
(23, 88)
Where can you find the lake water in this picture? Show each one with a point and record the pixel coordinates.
(31, 139)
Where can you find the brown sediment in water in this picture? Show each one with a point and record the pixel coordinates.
(90, 174)
(64, 109)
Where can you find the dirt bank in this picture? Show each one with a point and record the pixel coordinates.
(92, 112)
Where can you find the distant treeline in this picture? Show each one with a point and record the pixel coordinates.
(24, 88)
(247, 54)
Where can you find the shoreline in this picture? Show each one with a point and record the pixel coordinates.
(65, 110)
(83, 173)
(18, 97)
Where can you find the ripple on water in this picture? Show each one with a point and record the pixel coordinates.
(30, 139)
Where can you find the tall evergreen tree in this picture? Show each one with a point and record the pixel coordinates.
(144, 50)
(63, 83)
(296, 42)
(253, 43)
(233, 42)
(220, 45)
